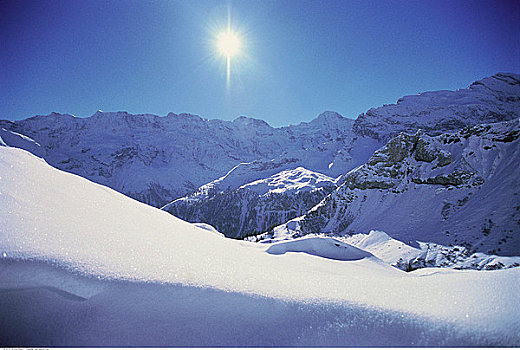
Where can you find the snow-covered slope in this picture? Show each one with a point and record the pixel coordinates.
(255, 207)
(15, 139)
(158, 159)
(460, 188)
(290, 181)
(489, 100)
(74, 256)
(241, 174)
(60, 217)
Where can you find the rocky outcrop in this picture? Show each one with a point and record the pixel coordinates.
(458, 188)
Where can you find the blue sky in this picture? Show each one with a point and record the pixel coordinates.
(299, 57)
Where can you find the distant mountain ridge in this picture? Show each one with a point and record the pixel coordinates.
(236, 212)
(157, 159)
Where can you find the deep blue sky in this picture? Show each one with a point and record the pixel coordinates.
(301, 57)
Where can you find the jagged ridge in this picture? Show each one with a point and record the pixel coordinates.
(489, 100)
(157, 159)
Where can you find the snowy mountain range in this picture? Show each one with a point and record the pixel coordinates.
(238, 212)
(245, 177)
(159, 159)
(489, 100)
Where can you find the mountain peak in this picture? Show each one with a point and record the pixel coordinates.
(330, 115)
(52, 115)
(99, 113)
(505, 82)
(243, 120)
(189, 116)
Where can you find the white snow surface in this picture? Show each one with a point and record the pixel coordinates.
(413, 255)
(56, 216)
(208, 228)
(325, 247)
(288, 181)
(50, 216)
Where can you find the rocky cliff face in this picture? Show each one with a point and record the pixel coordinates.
(458, 188)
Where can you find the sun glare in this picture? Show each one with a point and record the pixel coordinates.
(228, 43)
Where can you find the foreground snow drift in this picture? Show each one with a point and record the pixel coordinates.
(107, 270)
(88, 312)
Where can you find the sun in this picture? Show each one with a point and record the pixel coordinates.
(228, 43)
